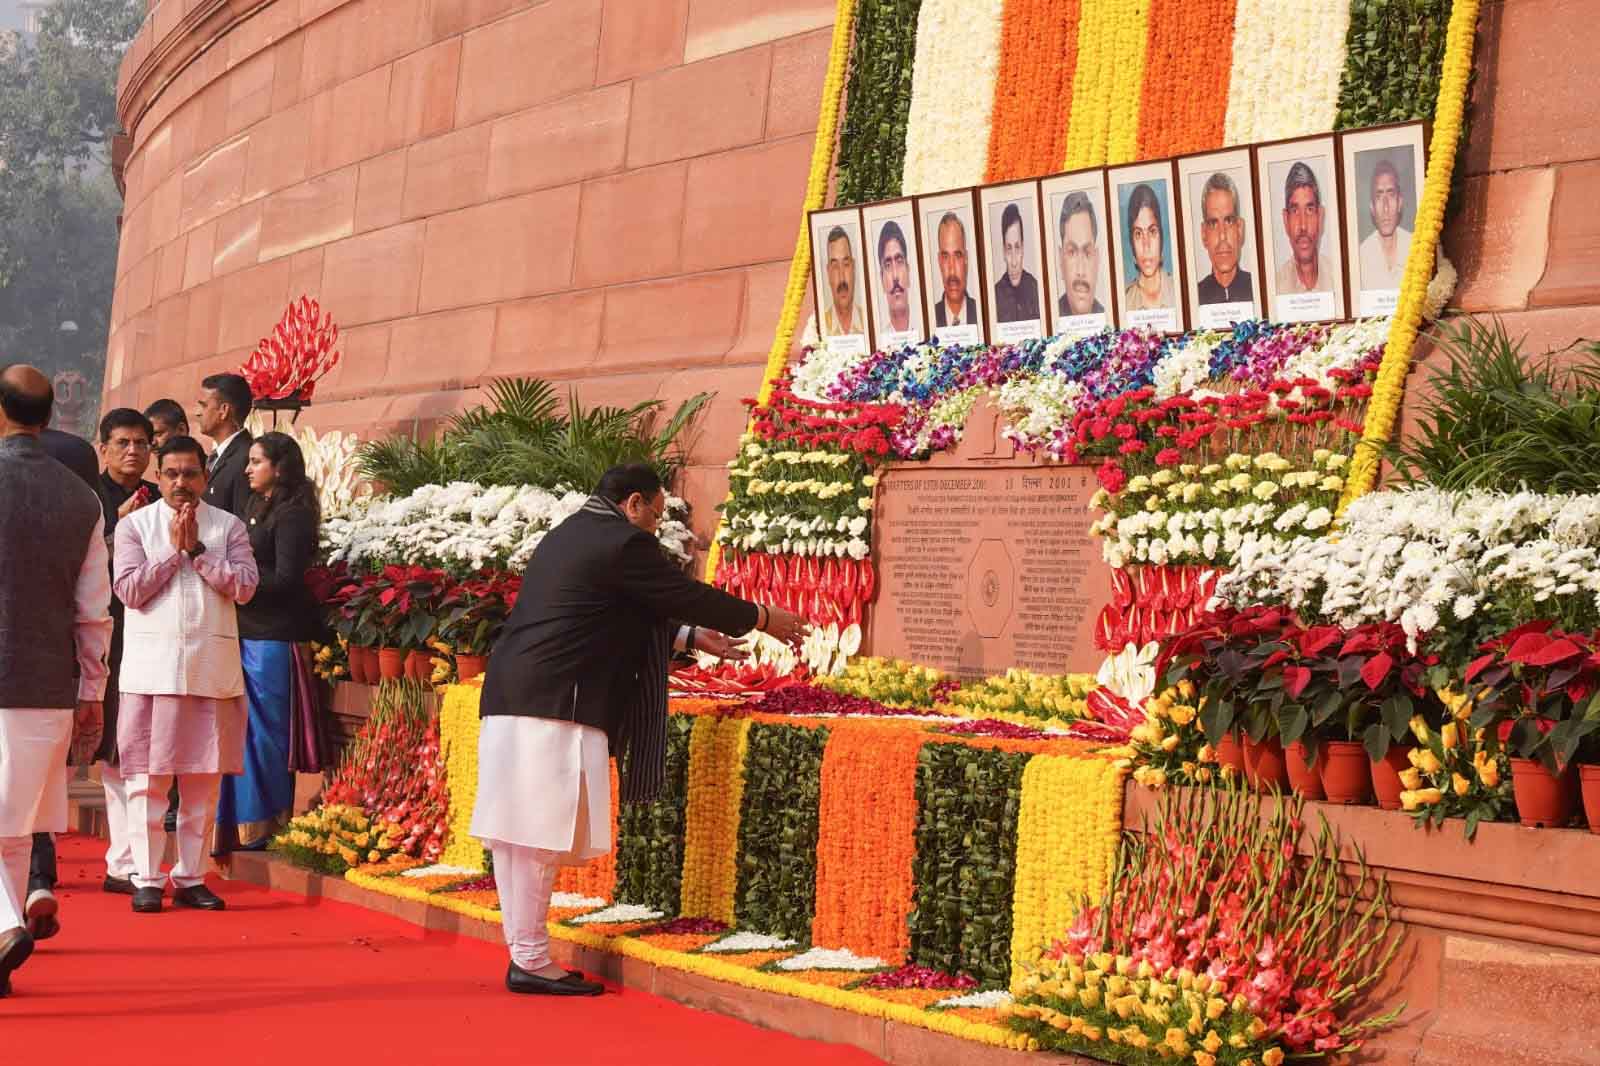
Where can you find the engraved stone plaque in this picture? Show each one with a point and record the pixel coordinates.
(984, 567)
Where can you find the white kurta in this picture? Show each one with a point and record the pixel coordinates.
(544, 784)
(33, 771)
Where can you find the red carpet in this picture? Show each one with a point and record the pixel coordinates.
(279, 979)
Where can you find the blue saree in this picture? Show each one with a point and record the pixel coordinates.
(254, 805)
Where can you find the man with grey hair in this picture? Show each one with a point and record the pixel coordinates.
(1222, 235)
(1306, 269)
(1079, 257)
(55, 622)
(843, 316)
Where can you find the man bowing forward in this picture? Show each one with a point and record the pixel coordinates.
(579, 674)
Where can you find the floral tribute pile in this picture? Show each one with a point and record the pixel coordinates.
(801, 844)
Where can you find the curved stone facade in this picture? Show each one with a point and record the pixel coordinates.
(604, 193)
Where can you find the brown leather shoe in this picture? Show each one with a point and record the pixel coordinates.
(15, 947)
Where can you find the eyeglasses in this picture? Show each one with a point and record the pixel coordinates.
(129, 445)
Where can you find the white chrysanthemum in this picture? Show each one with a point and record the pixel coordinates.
(830, 959)
(749, 942)
(619, 912)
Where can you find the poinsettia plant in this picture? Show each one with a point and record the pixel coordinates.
(408, 604)
(301, 349)
(1536, 690)
(473, 613)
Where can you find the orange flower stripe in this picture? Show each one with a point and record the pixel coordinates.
(598, 877)
(866, 840)
(715, 789)
(1188, 61)
(1033, 93)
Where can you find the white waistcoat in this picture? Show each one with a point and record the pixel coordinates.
(184, 641)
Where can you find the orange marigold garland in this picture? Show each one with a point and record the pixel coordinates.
(1187, 70)
(1033, 95)
(866, 840)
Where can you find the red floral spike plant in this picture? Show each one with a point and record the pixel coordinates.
(290, 361)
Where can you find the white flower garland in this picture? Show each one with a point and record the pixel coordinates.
(439, 869)
(619, 912)
(1284, 81)
(990, 1000)
(952, 95)
(573, 900)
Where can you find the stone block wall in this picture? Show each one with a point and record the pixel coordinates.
(604, 193)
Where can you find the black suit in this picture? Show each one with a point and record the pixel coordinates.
(587, 639)
(968, 319)
(75, 453)
(284, 542)
(226, 486)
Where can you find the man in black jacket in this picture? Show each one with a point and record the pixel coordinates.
(581, 673)
(220, 412)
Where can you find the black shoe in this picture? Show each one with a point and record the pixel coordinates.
(198, 897)
(15, 947)
(120, 886)
(521, 981)
(41, 914)
(147, 901)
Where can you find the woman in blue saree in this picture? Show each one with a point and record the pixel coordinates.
(283, 735)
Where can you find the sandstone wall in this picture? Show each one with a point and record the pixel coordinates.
(605, 193)
(601, 192)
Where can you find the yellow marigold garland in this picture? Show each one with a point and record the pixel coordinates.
(1132, 29)
(1068, 831)
(1092, 84)
(822, 152)
(1384, 408)
(717, 748)
(458, 737)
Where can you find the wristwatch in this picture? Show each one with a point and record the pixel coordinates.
(195, 551)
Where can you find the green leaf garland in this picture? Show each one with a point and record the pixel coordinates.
(650, 835)
(872, 143)
(777, 889)
(1394, 53)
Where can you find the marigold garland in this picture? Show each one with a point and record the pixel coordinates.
(867, 840)
(1033, 92)
(717, 750)
(458, 736)
(1093, 81)
(1068, 832)
(1383, 410)
(1185, 98)
(822, 150)
(1128, 65)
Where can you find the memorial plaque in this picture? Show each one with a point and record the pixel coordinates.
(983, 567)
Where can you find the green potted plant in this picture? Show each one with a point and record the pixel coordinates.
(472, 615)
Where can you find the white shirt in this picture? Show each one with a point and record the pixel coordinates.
(92, 620)
(222, 448)
(1376, 272)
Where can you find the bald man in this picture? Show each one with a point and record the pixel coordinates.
(55, 629)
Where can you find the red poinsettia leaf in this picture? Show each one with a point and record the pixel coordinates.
(1526, 646)
(1376, 669)
(1552, 652)
(1318, 639)
(1295, 680)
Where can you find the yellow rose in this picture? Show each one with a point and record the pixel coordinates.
(1426, 761)
(1411, 779)
(1488, 770)
(1272, 1057)
(1201, 1058)
(1461, 785)
(1182, 714)
(1212, 1042)
(1450, 734)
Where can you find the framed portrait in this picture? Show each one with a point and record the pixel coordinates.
(1302, 230)
(1221, 245)
(894, 275)
(839, 279)
(1081, 299)
(1013, 261)
(1384, 170)
(1148, 261)
(952, 276)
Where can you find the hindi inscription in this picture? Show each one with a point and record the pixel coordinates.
(985, 568)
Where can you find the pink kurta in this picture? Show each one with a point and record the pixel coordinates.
(181, 734)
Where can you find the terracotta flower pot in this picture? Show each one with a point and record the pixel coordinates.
(391, 663)
(1346, 772)
(1543, 798)
(1589, 782)
(470, 666)
(1303, 775)
(1264, 764)
(419, 666)
(1229, 753)
(363, 664)
(1386, 775)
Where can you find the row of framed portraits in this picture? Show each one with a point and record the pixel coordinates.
(1315, 229)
